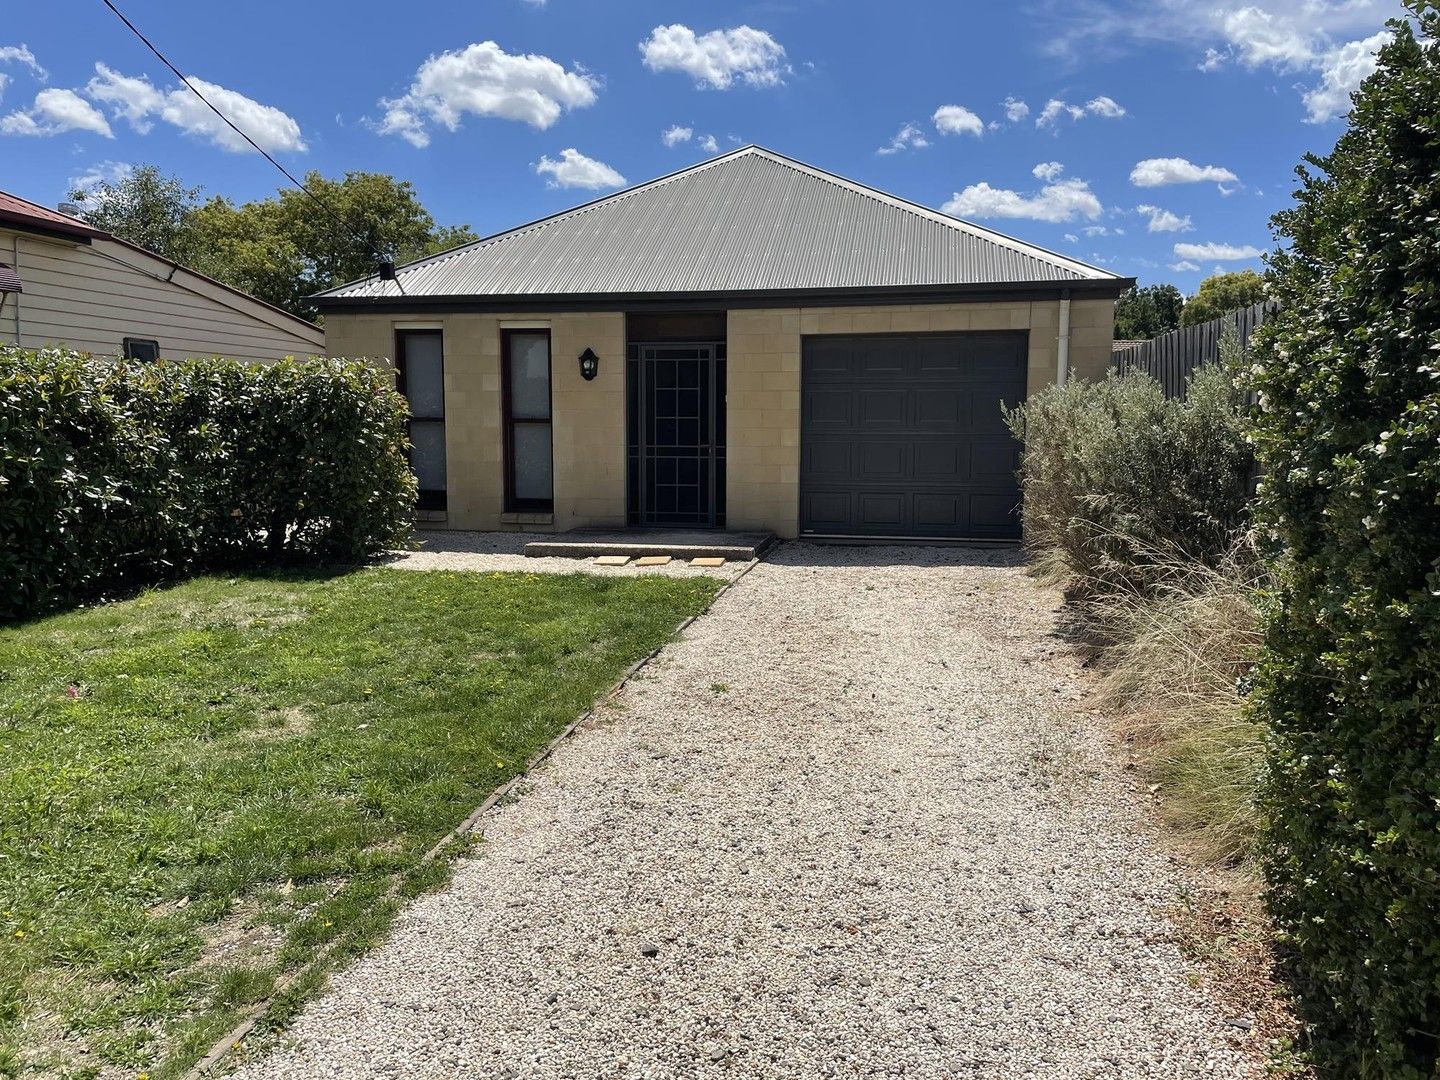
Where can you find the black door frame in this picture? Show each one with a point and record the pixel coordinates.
(639, 418)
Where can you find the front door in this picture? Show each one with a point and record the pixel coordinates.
(676, 434)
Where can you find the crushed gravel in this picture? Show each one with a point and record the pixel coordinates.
(858, 822)
(489, 551)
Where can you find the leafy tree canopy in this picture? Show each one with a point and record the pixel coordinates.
(280, 249)
(1143, 313)
(144, 207)
(1221, 294)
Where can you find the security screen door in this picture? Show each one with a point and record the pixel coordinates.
(676, 434)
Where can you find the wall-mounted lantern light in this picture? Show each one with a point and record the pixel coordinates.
(589, 365)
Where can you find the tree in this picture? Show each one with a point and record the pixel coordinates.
(284, 248)
(1143, 313)
(1221, 294)
(1348, 431)
(144, 207)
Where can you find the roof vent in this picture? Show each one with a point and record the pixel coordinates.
(69, 208)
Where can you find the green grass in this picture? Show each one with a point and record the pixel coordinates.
(206, 784)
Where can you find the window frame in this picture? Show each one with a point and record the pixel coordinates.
(514, 505)
(426, 498)
(128, 343)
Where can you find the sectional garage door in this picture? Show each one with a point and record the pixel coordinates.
(902, 435)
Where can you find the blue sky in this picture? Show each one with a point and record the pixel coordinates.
(1152, 138)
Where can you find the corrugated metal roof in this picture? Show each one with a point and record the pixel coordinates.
(749, 221)
(22, 212)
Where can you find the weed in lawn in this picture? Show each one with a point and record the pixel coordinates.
(252, 771)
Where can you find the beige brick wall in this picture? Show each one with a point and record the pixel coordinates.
(588, 418)
(763, 435)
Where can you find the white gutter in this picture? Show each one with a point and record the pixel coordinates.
(1062, 364)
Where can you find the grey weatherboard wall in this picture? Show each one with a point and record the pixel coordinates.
(903, 435)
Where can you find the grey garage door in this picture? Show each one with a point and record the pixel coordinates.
(902, 435)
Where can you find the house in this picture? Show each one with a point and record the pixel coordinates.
(750, 343)
(65, 283)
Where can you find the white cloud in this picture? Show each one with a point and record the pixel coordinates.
(957, 120)
(21, 54)
(1047, 170)
(709, 145)
(4, 82)
(1064, 200)
(1218, 252)
(1157, 172)
(485, 80)
(1184, 266)
(1286, 36)
(103, 172)
(1055, 109)
(909, 137)
(1016, 110)
(718, 58)
(676, 134)
(575, 170)
(1071, 238)
(1260, 37)
(136, 101)
(1214, 60)
(130, 98)
(1161, 220)
(55, 111)
(1342, 71)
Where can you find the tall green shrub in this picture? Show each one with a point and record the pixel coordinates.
(1349, 431)
(1118, 480)
(114, 473)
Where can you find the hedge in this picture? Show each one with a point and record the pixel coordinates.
(1349, 431)
(115, 473)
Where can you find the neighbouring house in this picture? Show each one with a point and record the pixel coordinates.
(751, 343)
(65, 283)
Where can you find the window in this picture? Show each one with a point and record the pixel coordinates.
(142, 349)
(420, 376)
(529, 481)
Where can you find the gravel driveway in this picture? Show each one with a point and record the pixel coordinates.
(857, 823)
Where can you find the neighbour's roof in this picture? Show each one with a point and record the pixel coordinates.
(22, 214)
(748, 221)
(25, 216)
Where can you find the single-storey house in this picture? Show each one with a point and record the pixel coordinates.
(63, 282)
(751, 343)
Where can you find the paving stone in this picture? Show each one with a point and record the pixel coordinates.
(612, 560)
(653, 560)
(707, 562)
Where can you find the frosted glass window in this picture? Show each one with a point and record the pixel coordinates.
(424, 375)
(530, 376)
(532, 463)
(428, 457)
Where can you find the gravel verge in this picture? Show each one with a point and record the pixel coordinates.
(858, 822)
(492, 551)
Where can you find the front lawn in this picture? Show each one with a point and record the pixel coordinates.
(204, 785)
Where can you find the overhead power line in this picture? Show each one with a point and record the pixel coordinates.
(386, 264)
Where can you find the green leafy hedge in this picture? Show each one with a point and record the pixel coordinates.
(1118, 480)
(1349, 430)
(113, 473)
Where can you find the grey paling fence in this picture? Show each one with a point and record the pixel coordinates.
(1172, 357)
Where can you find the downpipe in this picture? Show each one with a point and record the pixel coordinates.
(1062, 353)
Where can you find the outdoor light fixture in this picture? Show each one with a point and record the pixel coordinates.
(589, 365)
